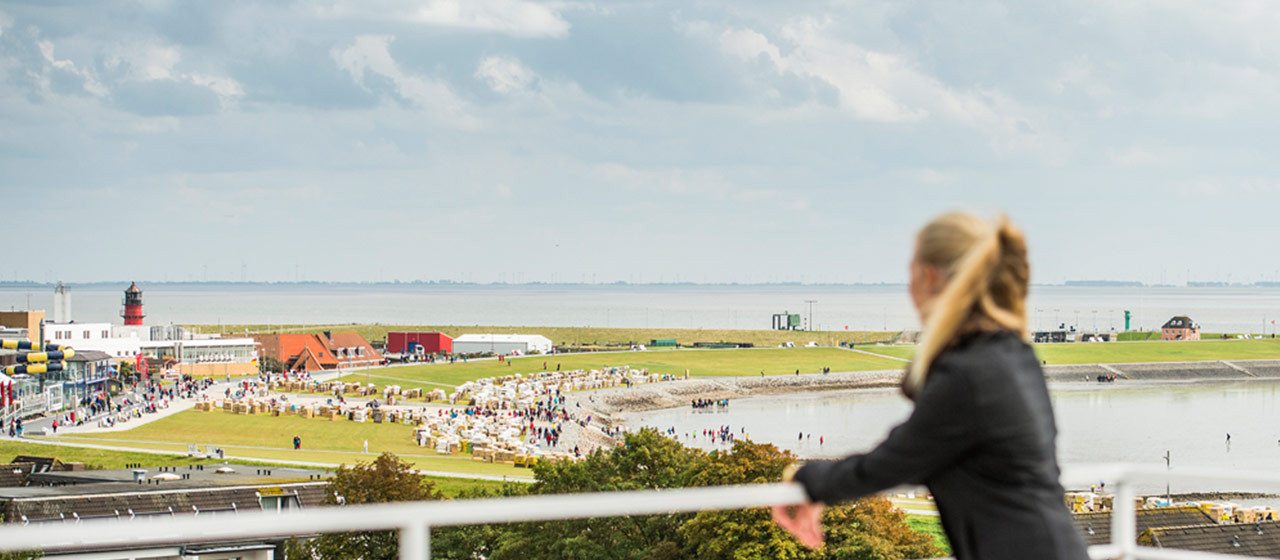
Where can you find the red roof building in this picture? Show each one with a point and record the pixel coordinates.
(419, 342)
(314, 352)
(1180, 328)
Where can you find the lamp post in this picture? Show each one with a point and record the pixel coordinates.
(811, 302)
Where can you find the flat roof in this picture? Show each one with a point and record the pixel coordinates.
(502, 338)
(62, 484)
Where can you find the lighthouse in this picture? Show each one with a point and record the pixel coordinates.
(133, 305)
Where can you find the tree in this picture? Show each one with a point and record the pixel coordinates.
(271, 365)
(869, 529)
(647, 460)
(386, 479)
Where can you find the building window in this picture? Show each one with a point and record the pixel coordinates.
(86, 335)
(105, 334)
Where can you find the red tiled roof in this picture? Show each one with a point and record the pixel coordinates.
(313, 352)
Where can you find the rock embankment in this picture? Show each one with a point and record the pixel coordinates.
(607, 404)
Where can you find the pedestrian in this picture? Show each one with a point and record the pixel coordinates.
(982, 424)
(366, 446)
(297, 442)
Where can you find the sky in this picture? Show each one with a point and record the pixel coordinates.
(637, 141)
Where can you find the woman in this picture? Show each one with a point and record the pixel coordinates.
(982, 433)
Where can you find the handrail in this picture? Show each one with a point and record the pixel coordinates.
(415, 519)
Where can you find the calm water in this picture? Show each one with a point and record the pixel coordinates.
(1128, 423)
(733, 307)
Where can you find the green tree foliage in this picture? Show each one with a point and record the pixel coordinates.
(271, 365)
(386, 479)
(869, 529)
(866, 530)
(647, 461)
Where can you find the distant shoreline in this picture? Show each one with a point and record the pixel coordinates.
(442, 282)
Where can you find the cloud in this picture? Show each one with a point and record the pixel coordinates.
(90, 82)
(370, 56)
(704, 184)
(152, 62)
(520, 18)
(144, 61)
(5, 21)
(504, 74)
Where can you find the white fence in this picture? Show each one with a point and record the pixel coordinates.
(414, 520)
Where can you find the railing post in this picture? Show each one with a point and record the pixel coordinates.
(1124, 519)
(413, 541)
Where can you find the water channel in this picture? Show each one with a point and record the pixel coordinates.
(1122, 422)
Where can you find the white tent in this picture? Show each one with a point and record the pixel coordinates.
(506, 344)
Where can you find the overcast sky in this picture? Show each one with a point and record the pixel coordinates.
(743, 141)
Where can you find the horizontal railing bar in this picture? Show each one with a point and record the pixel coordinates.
(371, 517)
(108, 534)
(1149, 553)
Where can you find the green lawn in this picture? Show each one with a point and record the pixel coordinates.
(270, 438)
(700, 363)
(1131, 352)
(931, 525)
(94, 458)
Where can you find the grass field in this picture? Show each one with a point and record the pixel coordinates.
(1131, 352)
(700, 363)
(931, 525)
(270, 438)
(95, 459)
(580, 336)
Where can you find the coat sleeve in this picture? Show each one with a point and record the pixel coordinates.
(938, 432)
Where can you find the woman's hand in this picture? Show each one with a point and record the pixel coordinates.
(804, 521)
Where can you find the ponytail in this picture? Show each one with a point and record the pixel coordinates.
(987, 277)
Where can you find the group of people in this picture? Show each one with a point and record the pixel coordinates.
(710, 403)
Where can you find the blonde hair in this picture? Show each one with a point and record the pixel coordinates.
(987, 274)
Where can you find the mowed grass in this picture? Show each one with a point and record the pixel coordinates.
(700, 363)
(931, 525)
(271, 438)
(95, 458)
(1134, 352)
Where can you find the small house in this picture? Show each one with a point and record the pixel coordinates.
(1180, 328)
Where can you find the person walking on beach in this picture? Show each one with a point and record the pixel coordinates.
(983, 424)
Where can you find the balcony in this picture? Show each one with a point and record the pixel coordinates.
(415, 520)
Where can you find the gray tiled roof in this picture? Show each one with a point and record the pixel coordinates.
(1100, 523)
(1260, 540)
(153, 501)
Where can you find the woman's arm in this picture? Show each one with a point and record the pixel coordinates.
(939, 430)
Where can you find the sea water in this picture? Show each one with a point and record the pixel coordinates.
(1122, 422)
(861, 308)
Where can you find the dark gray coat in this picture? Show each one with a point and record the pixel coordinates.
(981, 438)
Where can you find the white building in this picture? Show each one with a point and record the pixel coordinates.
(179, 352)
(505, 344)
(94, 336)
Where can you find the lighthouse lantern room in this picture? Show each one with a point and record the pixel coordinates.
(132, 305)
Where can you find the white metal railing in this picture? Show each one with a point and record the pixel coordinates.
(415, 519)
